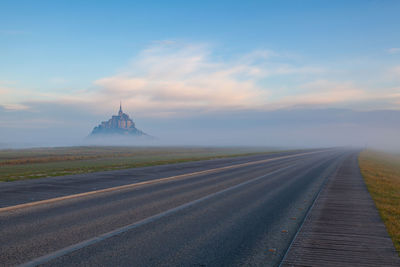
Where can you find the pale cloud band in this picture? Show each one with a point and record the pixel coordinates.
(170, 78)
(394, 50)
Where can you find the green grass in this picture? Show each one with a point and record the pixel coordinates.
(44, 162)
(381, 172)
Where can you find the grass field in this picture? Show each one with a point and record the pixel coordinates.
(381, 172)
(43, 162)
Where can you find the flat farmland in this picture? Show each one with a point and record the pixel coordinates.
(21, 164)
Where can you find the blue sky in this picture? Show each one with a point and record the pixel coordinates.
(174, 59)
(84, 40)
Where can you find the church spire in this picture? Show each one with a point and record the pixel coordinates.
(120, 108)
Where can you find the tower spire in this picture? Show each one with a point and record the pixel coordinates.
(120, 108)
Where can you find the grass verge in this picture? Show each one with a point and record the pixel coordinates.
(24, 164)
(381, 172)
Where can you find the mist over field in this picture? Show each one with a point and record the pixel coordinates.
(295, 128)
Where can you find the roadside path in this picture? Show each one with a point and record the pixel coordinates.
(344, 227)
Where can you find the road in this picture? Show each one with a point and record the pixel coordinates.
(231, 212)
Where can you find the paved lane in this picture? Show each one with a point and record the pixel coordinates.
(230, 217)
(44, 188)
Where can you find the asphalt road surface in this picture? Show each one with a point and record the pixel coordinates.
(231, 212)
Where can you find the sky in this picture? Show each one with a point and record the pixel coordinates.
(274, 73)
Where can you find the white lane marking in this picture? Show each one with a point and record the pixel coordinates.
(116, 188)
(88, 242)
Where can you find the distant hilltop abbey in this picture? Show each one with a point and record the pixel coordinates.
(118, 124)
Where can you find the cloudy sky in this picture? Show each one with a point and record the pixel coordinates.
(304, 73)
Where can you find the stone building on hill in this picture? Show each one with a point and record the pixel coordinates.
(119, 124)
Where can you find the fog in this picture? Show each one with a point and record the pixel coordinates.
(296, 128)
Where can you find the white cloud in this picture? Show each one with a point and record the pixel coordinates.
(394, 50)
(395, 71)
(392, 74)
(395, 95)
(58, 80)
(173, 78)
(3, 91)
(170, 78)
(165, 78)
(15, 107)
(325, 92)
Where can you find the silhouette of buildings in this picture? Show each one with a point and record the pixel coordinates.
(118, 124)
